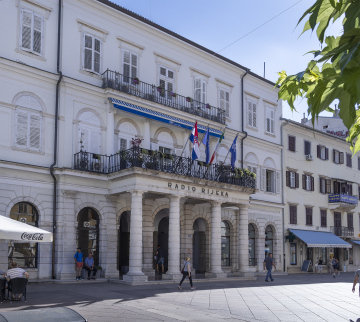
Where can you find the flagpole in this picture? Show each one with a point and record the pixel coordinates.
(229, 150)
(183, 150)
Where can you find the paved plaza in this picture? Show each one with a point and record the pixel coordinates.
(289, 298)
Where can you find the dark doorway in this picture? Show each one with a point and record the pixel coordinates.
(163, 240)
(199, 246)
(337, 223)
(310, 256)
(124, 243)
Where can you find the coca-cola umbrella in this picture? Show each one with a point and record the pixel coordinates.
(16, 230)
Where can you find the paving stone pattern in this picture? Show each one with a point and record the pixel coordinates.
(289, 298)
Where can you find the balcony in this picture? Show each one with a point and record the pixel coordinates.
(342, 231)
(341, 201)
(155, 160)
(125, 84)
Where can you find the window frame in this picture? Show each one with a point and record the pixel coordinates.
(226, 103)
(251, 115)
(32, 31)
(293, 214)
(292, 179)
(292, 143)
(348, 160)
(309, 216)
(350, 220)
(93, 51)
(323, 218)
(293, 247)
(322, 152)
(268, 112)
(307, 147)
(167, 80)
(308, 182)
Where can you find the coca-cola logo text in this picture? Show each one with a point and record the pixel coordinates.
(36, 236)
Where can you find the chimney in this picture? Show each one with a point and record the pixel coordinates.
(304, 119)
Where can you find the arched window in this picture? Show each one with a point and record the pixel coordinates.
(269, 240)
(127, 131)
(24, 254)
(166, 142)
(28, 123)
(225, 244)
(252, 258)
(88, 233)
(89, 133)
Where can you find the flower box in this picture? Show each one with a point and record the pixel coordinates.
(173, 94)
(208, 106)
(135, 81)
(159, 89)
(189, 99)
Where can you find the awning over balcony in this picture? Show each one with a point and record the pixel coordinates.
(320, 239)
(357, 242)
(142, 111)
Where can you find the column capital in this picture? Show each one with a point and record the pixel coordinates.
(138, 193)
(215, 203)
(174, 198)
(243, 206)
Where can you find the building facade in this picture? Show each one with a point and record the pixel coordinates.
(97, 106)
(321, 192)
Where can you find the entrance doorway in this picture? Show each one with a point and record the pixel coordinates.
(310, 256)
(124, 243)
(161, 236)
(200, 258)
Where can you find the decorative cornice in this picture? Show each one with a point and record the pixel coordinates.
(91, 26)
(224, 82)
(199, 72)
(251, 94)
(40, 5)
(130, 42)
(269, 102)
(167, 58)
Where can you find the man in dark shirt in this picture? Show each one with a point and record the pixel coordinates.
(160, 259)
(269, 263)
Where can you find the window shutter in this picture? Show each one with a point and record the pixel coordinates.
(134, 65)
(254, 114)
(38, 34)
(88, 52)
(304, 181)
(197, 89)
(126, 66)
(307, 148)
(35, 131)
(21, 128)
(350, 189)
(123, 144)
(277, 181)
(296, 180)
(263, 179)
(84, 134)
(222, 99)
(288, 178)
(250, 116)
(97, 52)
(203, 92)
(320, 185)
(292, 146)
(95, 136)
(334, 152)
(227, 104)
(272, 114)
(326, 154)
(312, 183)
(26, 21)
(318, 151)
(336, 187)
(291, 214)
(328, 186)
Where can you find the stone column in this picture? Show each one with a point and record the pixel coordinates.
(135, 273)
(148, 231)
(110, 126)
(174, 239)
(260, 250)
(244, 240)
(146, 143)
(215, 242)
(187, 233)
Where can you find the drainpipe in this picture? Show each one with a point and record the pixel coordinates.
(55, 143)
(242, 121)
(282, 186)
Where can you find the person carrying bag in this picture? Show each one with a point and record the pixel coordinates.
(186, 271)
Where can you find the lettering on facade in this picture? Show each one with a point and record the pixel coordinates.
(193, 189)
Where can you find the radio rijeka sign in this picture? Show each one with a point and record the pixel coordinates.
(194, 189)
(36, 236)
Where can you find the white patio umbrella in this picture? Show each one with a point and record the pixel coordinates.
(16, 230)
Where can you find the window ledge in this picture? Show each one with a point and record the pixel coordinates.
(252, 128)
(91, 74)
(270, 134)
(29, 54)
(17, 148)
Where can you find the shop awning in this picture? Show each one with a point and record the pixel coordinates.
(357, 242)
(320, 239)
(162, 117)
(16, 230)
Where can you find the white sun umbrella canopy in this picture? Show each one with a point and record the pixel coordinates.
(16, 230)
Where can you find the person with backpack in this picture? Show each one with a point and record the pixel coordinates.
(186, 271)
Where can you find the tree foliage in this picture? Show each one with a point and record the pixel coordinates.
(334, 72)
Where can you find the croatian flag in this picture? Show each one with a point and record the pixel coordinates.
(195, 141)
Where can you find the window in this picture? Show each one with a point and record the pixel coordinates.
(127, 132)
(251, 109)
(130, 66)
(309, 218)
(293, 214)
(323, 255)
(225, 244)
(166, 81)
(31, 32)
(350, 221)
(270, 180)
(348, 160)
(338, 157)
(293, 254)
(270, 121)
(28, 130)
(322, 152)
(199, 91)
(24, 254)
(252, 245)
(269, 236)
(91, 53)
(292, 179)
(307, 147)
(323, 216)
(308, 182)
(292, 143)
(325, 185)
(224, 101)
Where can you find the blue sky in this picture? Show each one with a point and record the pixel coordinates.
(217, 24)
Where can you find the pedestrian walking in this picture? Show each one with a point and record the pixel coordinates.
(186, 271)
(268, 264)
(78, 263)
(356, 277)
(335, 265)
(159, 259)
(319, 265)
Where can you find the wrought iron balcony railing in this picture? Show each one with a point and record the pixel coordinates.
(342, 231)
(132, 86)
(154, 160)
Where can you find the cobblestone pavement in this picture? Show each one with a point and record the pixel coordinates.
(289, 298)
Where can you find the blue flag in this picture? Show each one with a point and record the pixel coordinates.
(233, 153)
(205, 141)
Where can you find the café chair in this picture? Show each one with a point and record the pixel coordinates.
(17, 286)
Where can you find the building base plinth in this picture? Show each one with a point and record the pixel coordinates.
(215, 275)
(172, 276)
(244, 274)
(133, 279)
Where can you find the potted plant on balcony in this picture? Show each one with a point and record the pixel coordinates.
(173, 94)
(208, 105)
(160, 89)
(135, 81)
(189, 99)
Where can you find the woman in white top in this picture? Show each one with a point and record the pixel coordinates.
(186, 271)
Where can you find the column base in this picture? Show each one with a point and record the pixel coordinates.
(215, 275)
(133, 279)
(244, 274)
(172, 276)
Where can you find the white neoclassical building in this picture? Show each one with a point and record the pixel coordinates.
(97, 105)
